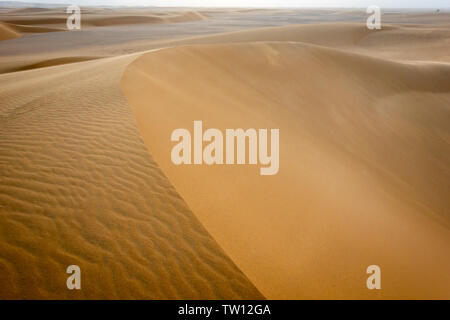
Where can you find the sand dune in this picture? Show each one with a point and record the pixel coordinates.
(6, 32)
(11, 31)
(86, 176)
(107, 18)
(77, 186)
(134, 19)
(52, 62)
(35, 20)
(32, 10)
(393, 41)
(33, 29)
(364, 174)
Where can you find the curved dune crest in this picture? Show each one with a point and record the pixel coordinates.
(78, 187)
(363, 163)
(393, 41)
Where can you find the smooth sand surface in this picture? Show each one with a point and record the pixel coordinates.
(86, 176)
(364, 155)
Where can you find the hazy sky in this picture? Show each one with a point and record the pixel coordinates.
(264, 3)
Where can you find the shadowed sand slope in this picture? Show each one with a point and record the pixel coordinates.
(364, 162)
(77, 186)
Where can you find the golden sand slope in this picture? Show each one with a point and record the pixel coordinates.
(77, 186)
(364, 164)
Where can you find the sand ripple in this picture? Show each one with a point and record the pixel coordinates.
(77, 186)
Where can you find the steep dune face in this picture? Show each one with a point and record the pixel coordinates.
(78, 187)
(364, 162)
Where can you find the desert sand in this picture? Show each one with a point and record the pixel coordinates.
(84, 190)
(86, 176)
(32, 17)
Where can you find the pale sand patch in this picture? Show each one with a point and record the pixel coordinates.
(364, 175)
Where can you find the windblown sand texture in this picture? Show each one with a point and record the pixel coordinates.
(86, 176)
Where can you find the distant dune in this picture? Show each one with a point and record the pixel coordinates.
(11, 31)
(134, 19)
(104, 18)
(6, 32)
(40, 20)
(52, 62)
(32, 29)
